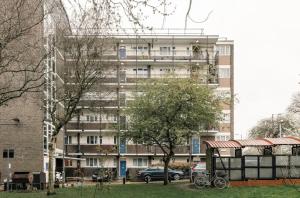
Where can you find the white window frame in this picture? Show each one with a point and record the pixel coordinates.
(68, 139)
(224, 72)
(100, 139)
(165, 50)
(91, 162)
(140, 162)
(91, 118)
(222, 137)
(226, 117)
(92, 139)
(224, 50)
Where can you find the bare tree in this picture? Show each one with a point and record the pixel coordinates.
(21, 44)
(273, 127)
(21, 48)
(294, 107)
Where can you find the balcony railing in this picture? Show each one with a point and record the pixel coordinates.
(99, 149)
(201, 56)
(130, 149)
(91, 126)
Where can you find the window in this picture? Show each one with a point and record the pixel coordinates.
(224, 72)
(115, 139)
(187, 140)
(222, 137)
(174, 50)
(92, 139)
(46, 166)
(140, 49)
(45, 143)
(68, 139)
(91, 118)
(68, 163)
(226, 117)
(187, 50)
(140, 162)
(165, 51)
(91, 162)
(224, 93)
(224, 50)
(115, 162)
(8, 153)
(141, 72)
(100, 139)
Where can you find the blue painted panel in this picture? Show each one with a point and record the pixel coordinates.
(123, 168)
(195, 146)
(122, 147)
(122, 52)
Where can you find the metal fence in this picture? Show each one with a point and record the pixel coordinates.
(258, 166)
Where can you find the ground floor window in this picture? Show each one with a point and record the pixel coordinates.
(68, 163)
(91, 162)
(115, 162)
(8, 153)
(140, 162)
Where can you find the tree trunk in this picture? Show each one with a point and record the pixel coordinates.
(50, 188)
(166, 174)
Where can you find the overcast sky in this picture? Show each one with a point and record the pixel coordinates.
(266, 34)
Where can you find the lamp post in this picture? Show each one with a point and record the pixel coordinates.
(280, 128)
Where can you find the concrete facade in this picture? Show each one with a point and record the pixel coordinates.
(94, 134)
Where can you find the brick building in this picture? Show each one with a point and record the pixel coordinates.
(24, 127)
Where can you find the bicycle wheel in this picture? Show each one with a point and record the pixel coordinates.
(220, 182)
(200, 182)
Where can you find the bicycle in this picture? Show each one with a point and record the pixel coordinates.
(202, 181)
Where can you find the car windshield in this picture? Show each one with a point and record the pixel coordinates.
(201, 166)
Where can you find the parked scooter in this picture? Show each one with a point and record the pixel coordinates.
(58, 177)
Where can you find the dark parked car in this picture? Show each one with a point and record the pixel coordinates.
(157, 173)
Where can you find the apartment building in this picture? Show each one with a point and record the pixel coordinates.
(25, 127)
(93, 139)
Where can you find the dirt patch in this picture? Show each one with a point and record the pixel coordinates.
(187, 186)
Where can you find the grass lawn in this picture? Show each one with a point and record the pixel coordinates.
(158, 190)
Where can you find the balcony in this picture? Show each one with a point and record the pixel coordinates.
(139, 149)
(153, 55)
(130, 149)
(72, 149)
(99, 149)
(99, 103)
(102, 149)
(155, 150)
(91, 126)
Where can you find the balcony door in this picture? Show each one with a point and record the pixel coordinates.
(195, 145)
(122, 52)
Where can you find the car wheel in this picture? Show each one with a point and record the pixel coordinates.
(176, 177)
(147, 178)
